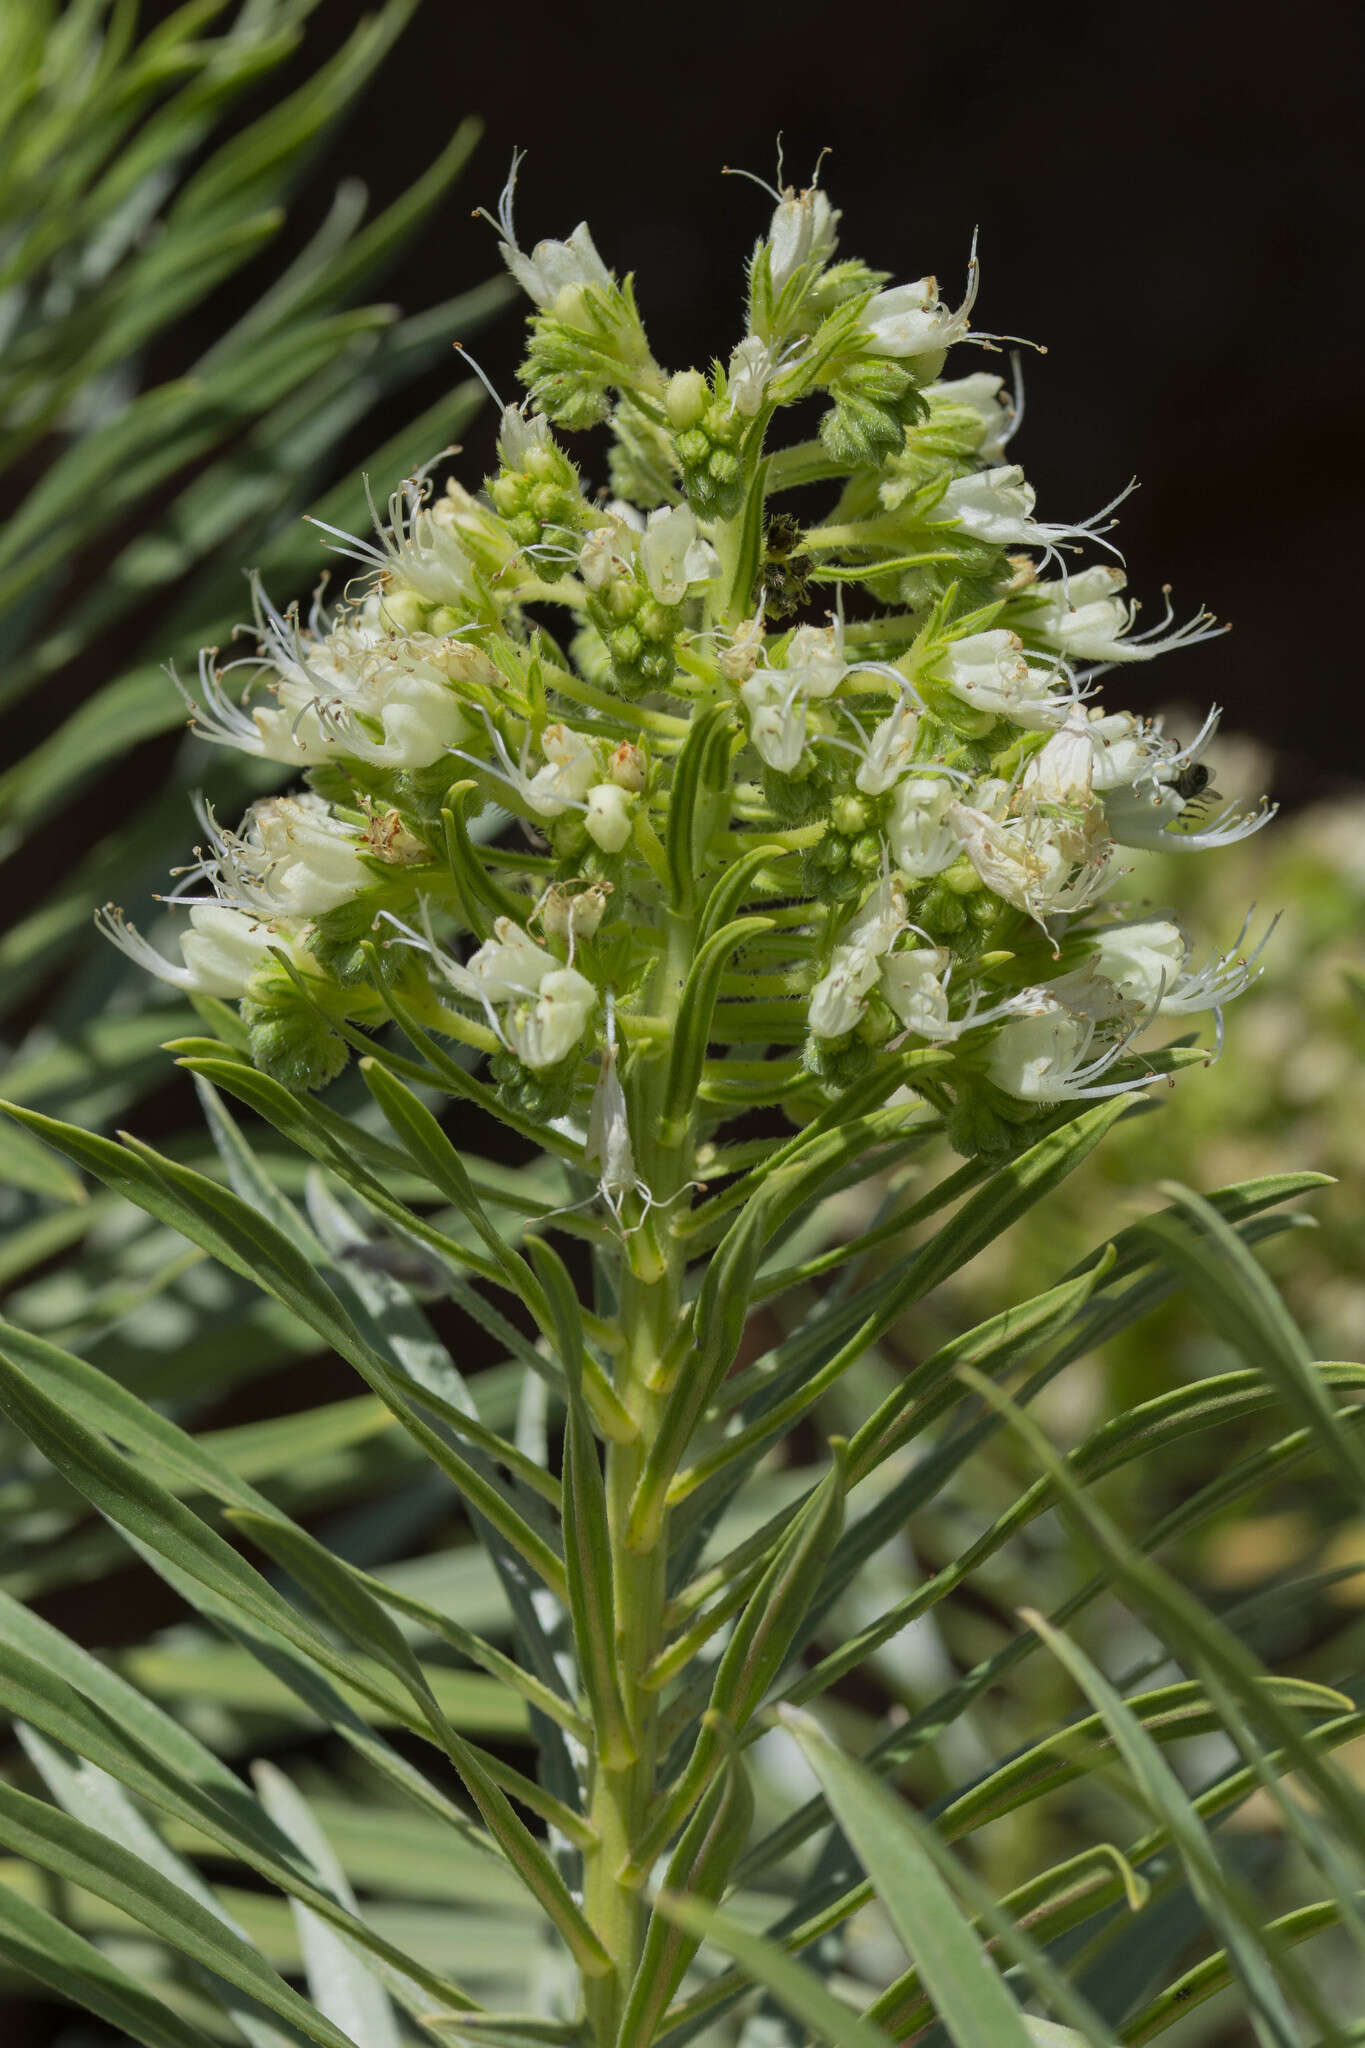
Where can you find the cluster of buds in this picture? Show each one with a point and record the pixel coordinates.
(548, 728)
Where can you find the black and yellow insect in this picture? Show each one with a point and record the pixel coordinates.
(784, 571)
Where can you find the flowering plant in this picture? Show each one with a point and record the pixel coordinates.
(754, 853)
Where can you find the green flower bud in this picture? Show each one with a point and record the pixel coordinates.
(686, 398)
(290, 1041)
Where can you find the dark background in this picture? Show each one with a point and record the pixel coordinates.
(1168, 198)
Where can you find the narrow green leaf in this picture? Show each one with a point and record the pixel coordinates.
(250, 1245)
(431, 1151)
(227, 1816)
(698, 1868)
(40, 1946)
(693, 1028)
(587, 1541)
(966, 1988)
(1244, 1306)
(1215, 1887)
(754, 1655)
(347, 1602)
(342, 1987)
(795, 1988)
(81, 1856)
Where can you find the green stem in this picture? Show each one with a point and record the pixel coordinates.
(649, 1292)
(623, 1799)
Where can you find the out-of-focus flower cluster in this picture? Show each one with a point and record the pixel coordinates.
(1288, 1091)
(543, 721)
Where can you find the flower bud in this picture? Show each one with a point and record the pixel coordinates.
(628, 767)
(570, 911)
(545, 1030)
(686, 398)
(610, 817)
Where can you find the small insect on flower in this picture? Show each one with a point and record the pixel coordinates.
(783, 582)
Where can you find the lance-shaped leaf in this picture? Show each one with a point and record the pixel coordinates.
(482, 898)
(1007, 1195)
(926, 1723)
(1150, 1428)
(81, 1856)
(737, 882)
(348, 1603)
(587, 1540)
(693, 1026)
(431, 1152)
(762, 1962)
(967, 1990)
(992, 1347)
(1222, 1897)
(1207, 1643)
(231, 1820)
(343, 1988)
(127, 1496)
(717, 1325)
(753, 1656)
(706, 1853)
(1217, 1971)
(698, 775)
(1246, 1308)
(35, 1943)
(250, 1245)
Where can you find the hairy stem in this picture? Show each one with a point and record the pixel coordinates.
(649, 1293)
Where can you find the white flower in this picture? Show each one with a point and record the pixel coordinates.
(1148, 817)
(1144, 961)
(751, 365)
(333, 685)
(776, 698)
(547, 1003)
(609, 551)
(543, 1029)
(839, 997)
(1040, 864)
(290, 857)
(989, 671)
(1144, 779)
(628, 766)
(1063, 770)
(739, 660)
(983, 394)
(520, 437)
(777, 717)
(921, 840)
(996, 505)
(509, 964)
(912, 320)
(814, 659)
(569, 772)
(1044, 1056)
(555, 267)
(221, 950)
(803, 230)
(888, 753)
(1149, 962)
(913, 987)
(610, 816)
(573, 910)
(551, 267)
(420, 546)
(1086, 619)
(673, 554)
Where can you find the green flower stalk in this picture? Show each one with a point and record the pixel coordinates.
(675, 803)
